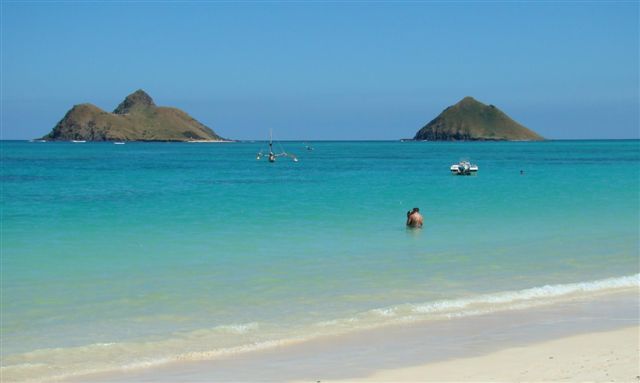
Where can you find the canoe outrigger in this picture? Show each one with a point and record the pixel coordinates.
(271, 156)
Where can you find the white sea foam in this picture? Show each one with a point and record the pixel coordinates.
(327, 323)
(239, 328)
(519, 299)
(61, 363)
(388, 312)
(487, 303)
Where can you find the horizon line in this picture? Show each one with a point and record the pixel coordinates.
(350, 140)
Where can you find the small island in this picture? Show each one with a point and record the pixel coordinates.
(137, 118)
(471, 120)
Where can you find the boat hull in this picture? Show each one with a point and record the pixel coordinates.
(464, 169)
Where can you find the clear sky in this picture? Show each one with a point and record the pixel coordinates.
(326, 70)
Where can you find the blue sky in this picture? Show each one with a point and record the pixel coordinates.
(312, 70)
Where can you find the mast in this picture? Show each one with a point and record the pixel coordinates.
(272, 155)
(270, 140)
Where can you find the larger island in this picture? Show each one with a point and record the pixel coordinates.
(137, 118)
(471, 120)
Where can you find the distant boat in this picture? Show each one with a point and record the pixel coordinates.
(118, 143)
(37, 140)
(464, 168)
(272, 156)
(78, 141)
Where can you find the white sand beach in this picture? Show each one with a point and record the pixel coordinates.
(610, 356)
(209, 141)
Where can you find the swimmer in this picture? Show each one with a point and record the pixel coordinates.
(414, 218)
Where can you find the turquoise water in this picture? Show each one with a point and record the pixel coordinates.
(139, 254)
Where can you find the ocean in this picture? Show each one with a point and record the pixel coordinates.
(130, 256)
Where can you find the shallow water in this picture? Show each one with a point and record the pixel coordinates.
(141, 253)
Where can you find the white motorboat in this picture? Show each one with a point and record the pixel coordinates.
(464, 168)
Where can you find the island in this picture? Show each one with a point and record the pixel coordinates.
(137, 118)
(471, 120)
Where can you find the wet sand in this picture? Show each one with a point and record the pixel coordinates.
(593, 339)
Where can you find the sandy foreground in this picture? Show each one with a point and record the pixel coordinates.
(611, 356)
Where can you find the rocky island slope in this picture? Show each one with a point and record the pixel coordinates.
(471, 120)
(137, 118)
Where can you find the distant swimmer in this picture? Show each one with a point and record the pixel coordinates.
(414, 218)
(521, 172)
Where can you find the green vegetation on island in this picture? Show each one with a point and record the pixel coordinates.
(471, 120)
(137, 118)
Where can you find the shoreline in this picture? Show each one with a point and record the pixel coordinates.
(208, 141)
(130, 141)
(402, 352)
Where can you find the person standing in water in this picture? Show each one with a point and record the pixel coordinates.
(414, 218)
